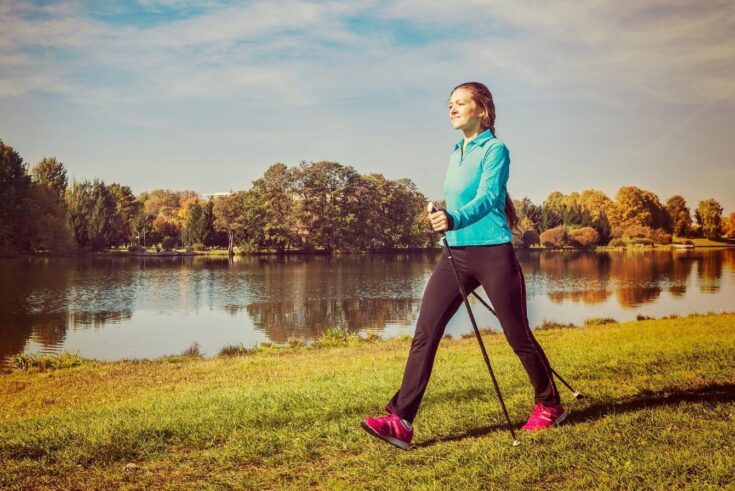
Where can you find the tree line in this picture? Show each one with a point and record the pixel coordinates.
(590, 218)
(314, 206)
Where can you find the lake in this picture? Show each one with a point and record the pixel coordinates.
(109, 307)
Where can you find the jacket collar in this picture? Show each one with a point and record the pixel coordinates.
(478, 140)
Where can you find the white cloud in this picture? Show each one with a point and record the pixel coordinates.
(673, 51)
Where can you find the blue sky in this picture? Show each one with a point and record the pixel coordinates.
(206, 95)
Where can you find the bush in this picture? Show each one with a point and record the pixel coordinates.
(294, 343)
(661, 237)
(336, 336)
(585, 237)
(549, 325)
(198, 246)
(193, 351)
(168, 243)
(599, 321)
(135, 248)
(617, 243)
(554, 237)
(529, 238)
(28, 361)
(638, 231)
(236, 350)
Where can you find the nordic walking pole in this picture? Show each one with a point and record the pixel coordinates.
(431, 208)
(577, 395)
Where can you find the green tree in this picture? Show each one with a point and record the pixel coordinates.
(552, 213)
(323, 190)
(91, 213)
(48, 228)
(271, 210)
(52, 173)
(78, 200)
(603, 228)
(681, 218)
(15, 189)
(102, 217)
(141, 225)
(127, 209)
(709, 217)
(195, 223)
(530, 216)
(411, 222)
(212, 237)
(229, 216)
(550, 218)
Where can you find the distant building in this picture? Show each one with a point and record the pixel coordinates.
(216, 195)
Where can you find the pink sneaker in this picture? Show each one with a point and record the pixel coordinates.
(545, 416)
(389, 428)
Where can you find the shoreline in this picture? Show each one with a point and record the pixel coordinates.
(223, 252)
(334, 337)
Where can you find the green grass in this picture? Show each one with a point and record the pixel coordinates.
(42, 362)
(660, 414)
(702, 242)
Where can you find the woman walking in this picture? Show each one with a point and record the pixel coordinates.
(478, 222)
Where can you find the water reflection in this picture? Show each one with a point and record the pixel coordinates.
(284, 320)
(42, 298)
(636, 277)
(157, 305)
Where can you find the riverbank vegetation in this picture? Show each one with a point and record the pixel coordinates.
(659, 414)
(312, 207)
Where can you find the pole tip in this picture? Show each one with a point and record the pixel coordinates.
(578, 395)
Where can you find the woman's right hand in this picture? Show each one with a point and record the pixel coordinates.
(439, 221)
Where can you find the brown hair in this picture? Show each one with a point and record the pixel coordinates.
(484, 99)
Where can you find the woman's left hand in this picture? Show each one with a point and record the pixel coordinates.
(439, 221)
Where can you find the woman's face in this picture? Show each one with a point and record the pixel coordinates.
(464, 114)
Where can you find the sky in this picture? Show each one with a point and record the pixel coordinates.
(207, 95)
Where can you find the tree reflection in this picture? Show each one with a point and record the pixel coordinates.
(300, 296)
(709, 272)
(43, 297)
(307, 320)
(318, 292)
(637, 277)
(584, 275)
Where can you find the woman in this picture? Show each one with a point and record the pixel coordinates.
(478, 222)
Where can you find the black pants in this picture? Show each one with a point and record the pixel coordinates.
(496, 268)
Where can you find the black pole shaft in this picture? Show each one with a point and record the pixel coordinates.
(578, 395)
(479, 340)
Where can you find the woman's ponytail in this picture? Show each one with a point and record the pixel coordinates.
(510, 212)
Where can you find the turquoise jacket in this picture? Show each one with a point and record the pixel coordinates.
(474, 191)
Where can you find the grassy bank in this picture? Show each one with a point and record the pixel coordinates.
(660, 414)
